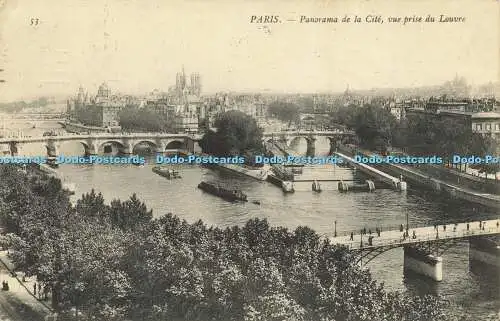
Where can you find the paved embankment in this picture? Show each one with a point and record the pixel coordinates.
(419, 177)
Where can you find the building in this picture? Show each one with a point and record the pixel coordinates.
(102, 110)
(487, 124)
(484, 123)
(162, 107)
(182, 88)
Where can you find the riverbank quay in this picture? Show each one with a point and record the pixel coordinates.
(418, 177)
(80, 128)
(454, 175)
(259, 174)
(19, 303)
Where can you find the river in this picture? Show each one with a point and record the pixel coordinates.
(473, 294)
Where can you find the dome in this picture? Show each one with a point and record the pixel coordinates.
(103, 90)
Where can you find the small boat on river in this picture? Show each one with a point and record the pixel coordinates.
(226, 194)
(166, 172)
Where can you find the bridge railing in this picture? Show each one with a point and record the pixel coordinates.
(385, 228)
(420, 238)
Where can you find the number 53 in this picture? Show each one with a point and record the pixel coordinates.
(35, 21)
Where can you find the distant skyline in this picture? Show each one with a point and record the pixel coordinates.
(138, 46)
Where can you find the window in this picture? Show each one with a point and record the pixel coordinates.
(497, 127)
(488, 126)
(479, 127)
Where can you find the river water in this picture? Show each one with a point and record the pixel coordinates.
(474, 294)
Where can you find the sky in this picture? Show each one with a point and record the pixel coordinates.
(137, 46)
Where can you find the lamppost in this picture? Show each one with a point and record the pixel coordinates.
(407, 224)
(335, 228)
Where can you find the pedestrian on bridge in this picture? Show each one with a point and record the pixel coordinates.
(498, 224)
(484, 224)
(352, 236)
(444, 227)
(480, 225)
(467, 226)
(401, 228)
(414, 235)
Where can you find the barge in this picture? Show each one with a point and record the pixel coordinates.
(228, 195)
(166, 172)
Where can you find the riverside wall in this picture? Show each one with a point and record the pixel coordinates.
(426, 180)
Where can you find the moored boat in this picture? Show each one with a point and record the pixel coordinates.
(166, 172)
(226, 194)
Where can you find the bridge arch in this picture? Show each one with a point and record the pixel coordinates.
(149, 143)
(174, 144)
(309, 144)
(436, 247)
(119, 145)
(68, 147)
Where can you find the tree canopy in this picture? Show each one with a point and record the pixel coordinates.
(90, 115)
(115, 262)
(237, 134)
(374, 125)
(286, 112)
(144, 119)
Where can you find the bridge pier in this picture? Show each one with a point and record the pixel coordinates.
(13, 149)
(311, 148)
(52, 149)
(91, 149)
(334, 144)
(423, 263)
(401, 186)
(484, 252)
(127, 149)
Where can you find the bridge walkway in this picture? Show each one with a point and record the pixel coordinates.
(394, 238)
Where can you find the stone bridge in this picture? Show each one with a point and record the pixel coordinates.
(288, 138)
(95, 143)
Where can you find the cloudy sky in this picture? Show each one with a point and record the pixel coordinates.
(137, 46)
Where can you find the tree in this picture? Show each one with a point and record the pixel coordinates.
(90, 115)
(374, 127)
(482, 146)
(237, 134)
(145, 119)
(117, 262)
(286, 112)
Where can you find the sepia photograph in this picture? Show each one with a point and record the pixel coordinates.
(216, 160)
